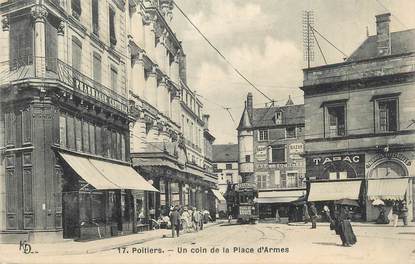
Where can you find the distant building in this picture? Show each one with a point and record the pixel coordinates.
(359, 117)
(225, 162)
(271, 144)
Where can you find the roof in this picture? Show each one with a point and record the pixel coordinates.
(291, 115)
(225, 153)
(245, 121)
(401, 42)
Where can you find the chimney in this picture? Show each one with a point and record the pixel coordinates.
(383, 42)
(250, 105)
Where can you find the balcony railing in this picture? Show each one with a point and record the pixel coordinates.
(52, 69)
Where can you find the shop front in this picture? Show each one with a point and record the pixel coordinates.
(389, 178)
(99, 198)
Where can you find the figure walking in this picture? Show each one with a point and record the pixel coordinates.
(344, 228)
(175, 221)
(395, 213)
(313, 215)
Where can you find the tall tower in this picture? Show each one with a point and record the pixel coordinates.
(246, 142)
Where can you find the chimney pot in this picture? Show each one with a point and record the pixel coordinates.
(250, 105)
(383, 34)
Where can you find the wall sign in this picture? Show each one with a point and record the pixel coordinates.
(380, 156)
(296, 148)
(319, 166)
(261, 153)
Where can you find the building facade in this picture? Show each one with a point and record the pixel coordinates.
(359, 123)
(170, 144)
(65, 121)
(225, 160)
(271, 145)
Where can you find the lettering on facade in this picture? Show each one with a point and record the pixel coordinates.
(380, 156)
(261, 153)
(325, 160)
(320, 166)
(296, 148)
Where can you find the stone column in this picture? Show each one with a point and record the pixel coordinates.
(61, 41)
(149, 37)
(137, 76)
(150, 92)
(175, 76)
(161, 96)
(39, 14)
(175, 108)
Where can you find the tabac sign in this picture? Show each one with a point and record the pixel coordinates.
(321, 166)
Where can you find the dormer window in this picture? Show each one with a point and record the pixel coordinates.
(278, 117)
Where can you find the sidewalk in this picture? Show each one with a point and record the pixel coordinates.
(71, 247)
(363, 224)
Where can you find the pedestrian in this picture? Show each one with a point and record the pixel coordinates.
(344, 227)
(175, 221)
(313, 215)
(382, 218)
(195, 219)
(404, 211)
(185, 220)
(306, 215)
(277, 216)
(395, 213)
(326, 211)
(201, 220)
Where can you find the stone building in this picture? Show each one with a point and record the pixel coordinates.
(64, 121)
(359, 119)
(168, 135)
(271, 144)
(225, 160)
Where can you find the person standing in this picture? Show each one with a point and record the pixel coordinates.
(326, 211)
(313, 215)
(395, 213)
(196, 219)
(344, 227)
(404, 211)
(175, 222)
(306, 215)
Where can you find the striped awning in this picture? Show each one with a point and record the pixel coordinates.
(279, 196)
(387, 189)
(218, 195)
(334, 190)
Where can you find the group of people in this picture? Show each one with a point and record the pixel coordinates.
(399, 209)
(188, 219)
(339, 222)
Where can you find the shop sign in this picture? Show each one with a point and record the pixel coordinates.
(380, 156)
(296, 148)
(261, 153)
(317, 165)
(295, 157)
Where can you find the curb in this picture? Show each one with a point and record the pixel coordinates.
(359, 224)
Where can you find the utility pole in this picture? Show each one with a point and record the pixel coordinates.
(308, 40)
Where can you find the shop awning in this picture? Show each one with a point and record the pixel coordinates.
(156, 162)
(88, 172)
(334, 190)
(124, 176)
(279, 196)
(387, 189)
(218, 195)
(104, 175)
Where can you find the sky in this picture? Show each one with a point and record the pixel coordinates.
(263, 39)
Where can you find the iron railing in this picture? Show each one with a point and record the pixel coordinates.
(52, 69)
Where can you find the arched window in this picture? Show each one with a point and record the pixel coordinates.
(338, 170)
(388, 169)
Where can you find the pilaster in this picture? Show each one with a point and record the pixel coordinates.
(39, 14)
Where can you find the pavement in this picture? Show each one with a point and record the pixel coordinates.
(71, 247)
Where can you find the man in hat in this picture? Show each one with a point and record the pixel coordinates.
(313, 214)
(175, 221)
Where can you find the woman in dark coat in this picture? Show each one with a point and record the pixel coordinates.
(344, 228)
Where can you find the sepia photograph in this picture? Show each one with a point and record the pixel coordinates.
(207, 131)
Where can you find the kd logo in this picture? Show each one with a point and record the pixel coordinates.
(25, 247)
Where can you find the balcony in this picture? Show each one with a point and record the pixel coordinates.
(51, 70)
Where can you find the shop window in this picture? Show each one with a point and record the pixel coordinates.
(70, 125)
(388, 115)
(95, 17)
(78, 134)
(290, 132)
(98, 141)
(263, 135)
(85, 136)
(92, 138)
(113, 38)
(21, 41)
(336, 120)
(76, 8)
(277, 154)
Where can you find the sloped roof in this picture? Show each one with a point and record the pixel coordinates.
(225, 153)
(401, 42)
(291, 115)
(245, 121)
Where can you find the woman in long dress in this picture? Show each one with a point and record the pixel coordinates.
(344, 227)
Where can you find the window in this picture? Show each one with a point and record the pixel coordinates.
(52, 46)
(27, 126)
(21, 41)
(95, 17)
(335, 175)
(114, 79)
(262, 181)
(278, 117)
(229, 177)
(76, 8)
(336, 120)
(263, 135)
(85, 136)
(292, 179)
(113, 39)
(228, 166)
(96, 65)
(92, 138)
(247, 158)
(388, 115)
(70, 134)
(277, 154)
(290, 132)
(76, 54)
(78, 134)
